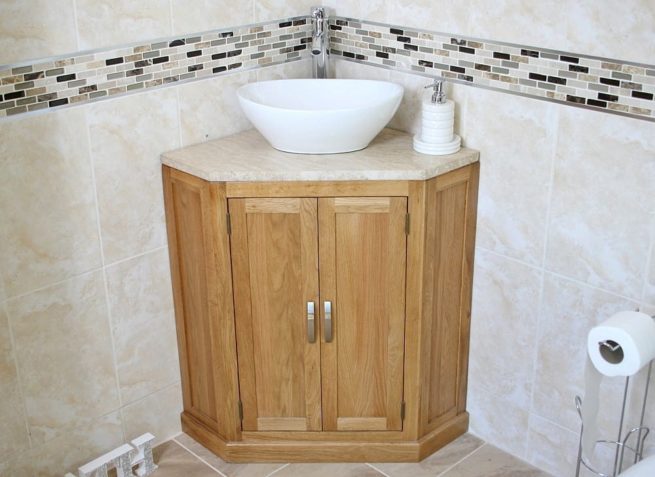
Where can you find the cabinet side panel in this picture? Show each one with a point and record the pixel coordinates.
(467, 283)
(451, 202)
(184, 203)
(446, 303)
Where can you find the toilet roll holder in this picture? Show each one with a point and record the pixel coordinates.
(622, 442)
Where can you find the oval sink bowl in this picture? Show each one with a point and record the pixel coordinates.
(320, 116)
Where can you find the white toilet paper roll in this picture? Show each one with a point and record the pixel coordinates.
(623, 344)
(620, 346)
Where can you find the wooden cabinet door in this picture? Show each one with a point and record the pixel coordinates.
(274, 244)
(362, 273)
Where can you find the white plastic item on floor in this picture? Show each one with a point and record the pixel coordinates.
(645, 468)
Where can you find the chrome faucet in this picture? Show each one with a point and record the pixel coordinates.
(320, 43)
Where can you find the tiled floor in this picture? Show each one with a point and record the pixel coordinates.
(468, 456)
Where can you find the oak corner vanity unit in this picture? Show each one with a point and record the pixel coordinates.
(322, 302)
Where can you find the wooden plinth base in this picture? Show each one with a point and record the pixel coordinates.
(325, 451)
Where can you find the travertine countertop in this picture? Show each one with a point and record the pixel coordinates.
(247, 157)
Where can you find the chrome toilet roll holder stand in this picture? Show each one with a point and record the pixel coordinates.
(633, 440)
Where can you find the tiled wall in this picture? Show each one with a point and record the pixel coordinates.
(579, 80)
(566, 219)
(88, 354)
(88, 76)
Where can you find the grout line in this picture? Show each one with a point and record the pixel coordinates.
(82, 274)
(649, 262)
(146, 396)
(138, 255)
(555, 424)
(170, 13)
(19, 383)
(542, 279)
(378, 470)
(461, 460)
(112, 338)
(54, 284)
(559, 275)
(77, 25)
(278, 469)
(174, 439)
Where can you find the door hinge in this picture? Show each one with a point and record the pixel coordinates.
(228, 223)
(240, 406)
(402, 411)
(407, 224)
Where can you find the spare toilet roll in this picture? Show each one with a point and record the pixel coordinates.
(620, 346)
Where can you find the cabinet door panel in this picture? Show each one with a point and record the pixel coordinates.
(274, 246)
(362, 266)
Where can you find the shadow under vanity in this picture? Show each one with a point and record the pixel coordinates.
(322, 301)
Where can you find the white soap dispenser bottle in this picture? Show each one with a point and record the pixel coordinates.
(437, 124)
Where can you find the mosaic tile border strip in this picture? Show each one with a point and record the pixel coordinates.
(605, 85)
(84, 77)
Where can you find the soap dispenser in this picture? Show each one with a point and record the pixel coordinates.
(437, 136)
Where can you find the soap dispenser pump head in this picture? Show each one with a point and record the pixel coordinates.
(438, 94)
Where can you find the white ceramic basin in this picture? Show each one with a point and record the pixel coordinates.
(320, 116)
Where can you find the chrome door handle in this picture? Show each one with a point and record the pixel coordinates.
(311, 322)
(327, 307)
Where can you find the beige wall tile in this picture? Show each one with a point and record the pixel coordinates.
(342, 69)
(266, 10)
(649, 287)
(36, 29)
(210, 109)
(13, 427)
(569, 311)
(599, 229)
(504, 327)
(435, 15)
(516, 139)
(143, 321)
(103, 23)
(158, 414)
(69, 451)
(372, 10)
(293, 70)
(552, 447)
(583, 27)
(192, 16)
(127, 137)
(63, 349)
(48, 223)
(408, 116)
(498, 420)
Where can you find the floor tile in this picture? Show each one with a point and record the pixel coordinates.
(490, 461)
(328, 470)
(227, 468)
(174, 461)
(437, 462)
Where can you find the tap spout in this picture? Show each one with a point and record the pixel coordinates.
(320, 43)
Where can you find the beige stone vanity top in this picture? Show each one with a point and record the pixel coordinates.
(247, 157)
